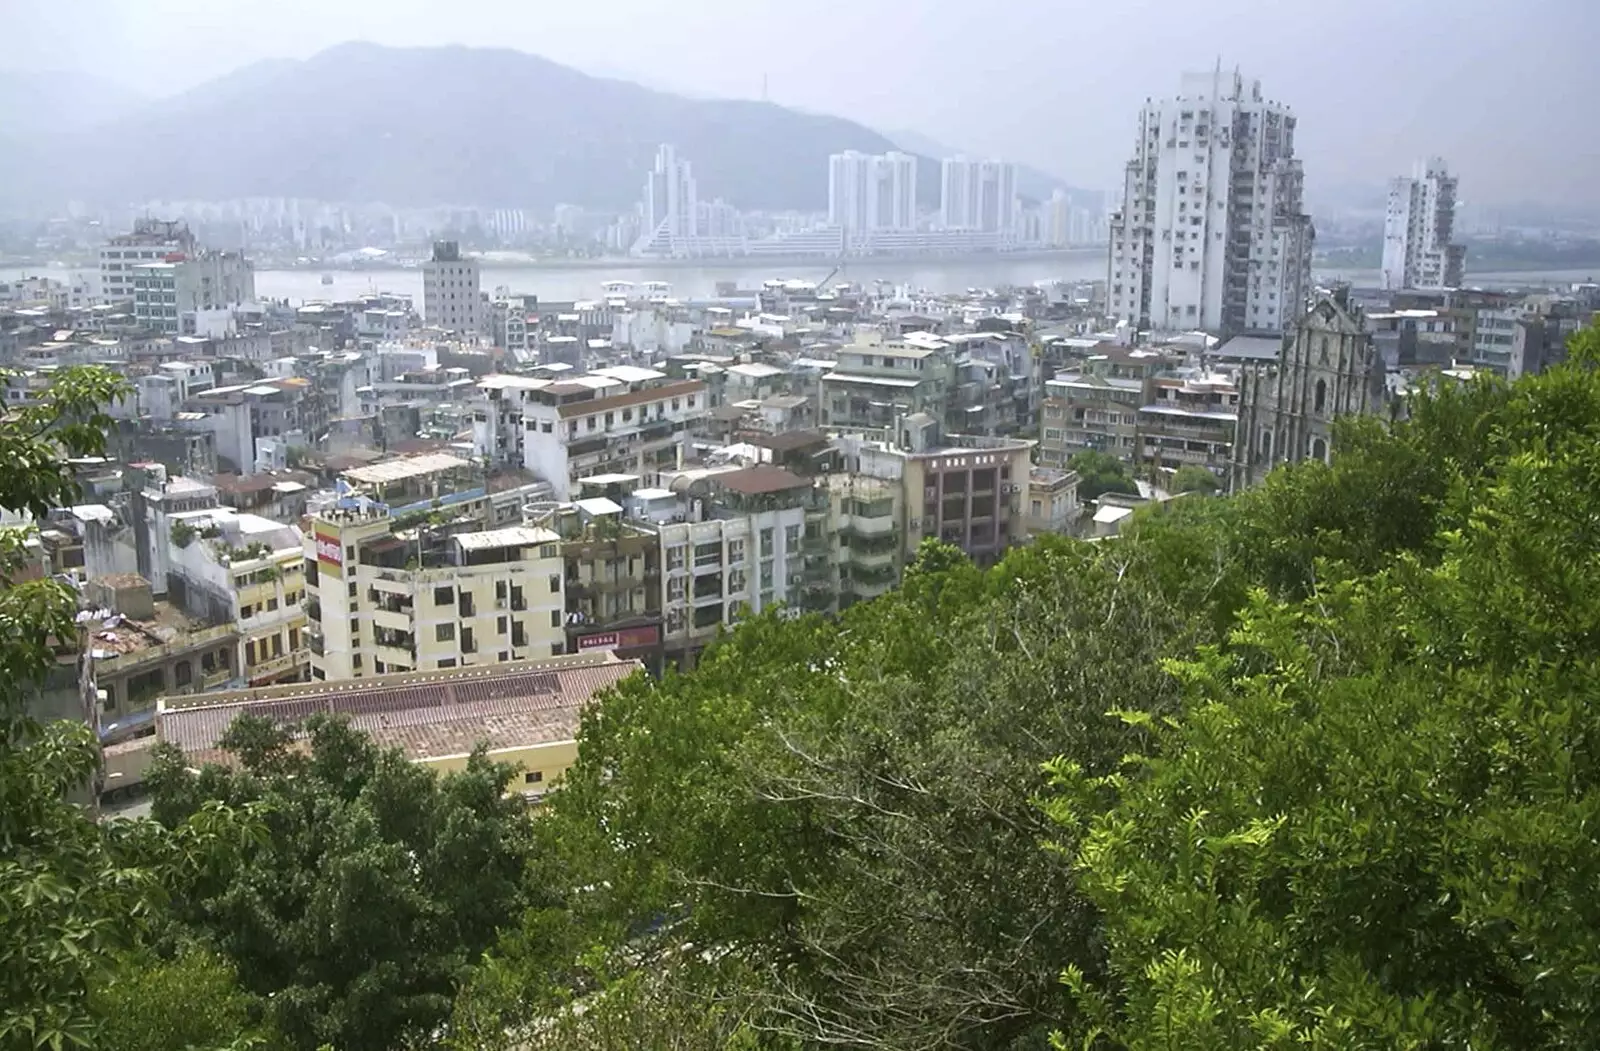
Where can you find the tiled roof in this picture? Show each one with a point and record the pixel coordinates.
(426, 715)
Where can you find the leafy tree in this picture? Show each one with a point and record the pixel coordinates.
(1100, 473)
(1193, 479)
(374, 887)
(64, 901)
(191, 1001)
(847, 806)
(1370, 826)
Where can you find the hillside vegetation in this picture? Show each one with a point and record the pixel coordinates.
(1312, 766)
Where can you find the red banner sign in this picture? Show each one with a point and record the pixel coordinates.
(328, 550)
(622, 639)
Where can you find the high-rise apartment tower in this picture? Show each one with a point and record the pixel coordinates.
(1212, 233)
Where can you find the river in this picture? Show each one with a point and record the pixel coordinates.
(557, 284)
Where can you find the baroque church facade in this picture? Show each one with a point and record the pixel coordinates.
(1329, 367)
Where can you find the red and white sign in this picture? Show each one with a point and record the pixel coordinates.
(328, 550)
(623, 639)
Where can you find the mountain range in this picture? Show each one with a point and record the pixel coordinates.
(424, 126)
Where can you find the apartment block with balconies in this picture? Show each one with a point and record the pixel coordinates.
(387, 599)
(1096, 405)
(612, 579)
(1189, 422)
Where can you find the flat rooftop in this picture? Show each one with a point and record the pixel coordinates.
(409, 467)
(427, 715)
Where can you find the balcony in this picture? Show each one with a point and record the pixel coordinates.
(395, 620)
(881, 525)
(865, 559)
(393, 657)
(276, 666)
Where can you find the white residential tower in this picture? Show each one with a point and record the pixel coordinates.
(1212, 233)
(872, 192)
(1417, 230)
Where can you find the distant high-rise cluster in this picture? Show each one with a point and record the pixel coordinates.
(1212, 233)
(671, 207)
(978, 195)
(1417, 230)
(872, 192)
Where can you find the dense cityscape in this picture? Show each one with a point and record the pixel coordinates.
(587, 537)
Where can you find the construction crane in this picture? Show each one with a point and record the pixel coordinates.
(823, 284)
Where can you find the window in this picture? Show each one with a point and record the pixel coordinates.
(675, 589)
(443, 596)
(468, 643)
(500, 625)
(766, 543)
(447, 662)
(555, 618)
(555, 583)
(735, 552)
(444, 633)
(1322, 395)
(519, 637)
(352, 589)
(675, 556)
(791, 537)
(533, 777)
(499, 591)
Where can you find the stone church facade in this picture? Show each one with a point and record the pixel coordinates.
(1329, 367)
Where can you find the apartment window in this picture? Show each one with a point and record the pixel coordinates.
(464, 604)
(443, 596)
(519, 636)
(533, 777)
(675, 556)
(550, 551)
(447, 662)
(504, 656)
(766, 543)
(610, 418)
(675, 589)
(627, 415)
(791, 538)
(766, 576)
(555, 583)
(557, 649)
(444, 633)
(500, 625)
(355, 662)
(517, 601)
(468, 643)
(499, 591)
(352, 589)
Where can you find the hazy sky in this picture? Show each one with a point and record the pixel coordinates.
(1506, 91)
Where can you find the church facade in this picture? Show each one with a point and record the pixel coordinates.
(1329, 367)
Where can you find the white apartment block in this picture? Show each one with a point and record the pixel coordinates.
(622, 419)
(978, 195)
(384, 601)
(872, 192)
(168, 294)
(151, 241)
(1418, 227)
(748, 558)
(1212, 233)
(451, 299)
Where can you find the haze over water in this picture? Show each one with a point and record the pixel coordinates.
(558, 284)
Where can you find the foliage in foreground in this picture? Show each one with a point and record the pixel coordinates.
(372, 887)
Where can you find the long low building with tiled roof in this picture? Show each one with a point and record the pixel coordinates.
(526, 713)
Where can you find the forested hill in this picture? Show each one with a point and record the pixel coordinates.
(1315, 765)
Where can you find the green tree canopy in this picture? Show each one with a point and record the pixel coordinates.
(1100, 473)
(1191, 478)
(374, 887)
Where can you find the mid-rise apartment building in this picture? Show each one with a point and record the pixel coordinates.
(385, 600)
(1095, 404)
(739, 549)
(612, 578)
(168, 292)
(1188, 421)
(965, 490)
(451, 298)
(1418, 230)
(618, 420)
(1212, 233)
(878, 378)
(151, 241)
